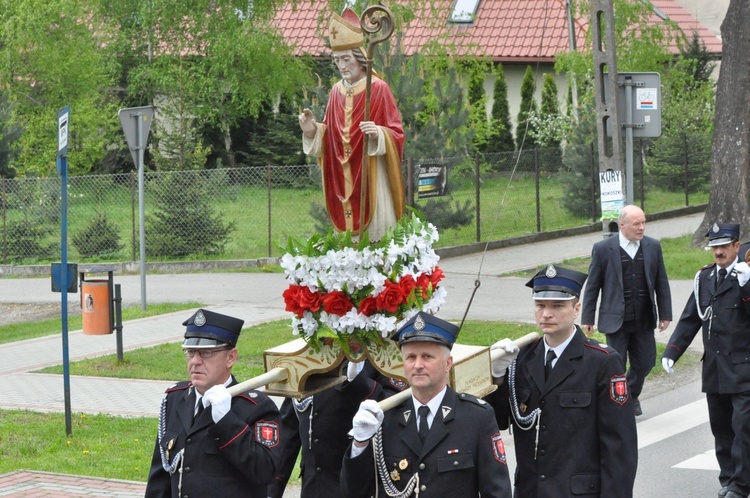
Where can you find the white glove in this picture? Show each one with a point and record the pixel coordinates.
(500, 365)
(743, 273)
(353, 370)
(667, 364)
(367, 420)
(218, 397)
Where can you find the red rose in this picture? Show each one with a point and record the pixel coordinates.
(337, 303)
(368, 306)
(309, 300)
(391, 297)
(436, 276)
(407, 284)
(423, 283)
(291, 299)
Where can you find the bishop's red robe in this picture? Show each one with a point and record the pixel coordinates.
(343, 146)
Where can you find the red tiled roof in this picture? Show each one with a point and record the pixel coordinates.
(506, 30)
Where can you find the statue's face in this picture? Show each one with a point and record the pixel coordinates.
(349, 67)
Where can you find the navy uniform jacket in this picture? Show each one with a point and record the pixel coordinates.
(236, 457)
(726, 337)
(323, 447)
(605, 275)
(588, 443)
(463, 455)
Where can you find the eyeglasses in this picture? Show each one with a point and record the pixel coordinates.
(203, 353)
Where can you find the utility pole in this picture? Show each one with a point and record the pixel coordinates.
(605, 75)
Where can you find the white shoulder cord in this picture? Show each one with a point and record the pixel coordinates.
(527, 422)
(703, 315)
(390, 489)
(177, 460)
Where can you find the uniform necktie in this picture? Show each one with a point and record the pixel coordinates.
(424, 427)
(200, 409)
(722, 274)
(548, 363)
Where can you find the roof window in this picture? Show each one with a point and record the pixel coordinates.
(464, 11)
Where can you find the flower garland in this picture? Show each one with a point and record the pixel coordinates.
(340, 292)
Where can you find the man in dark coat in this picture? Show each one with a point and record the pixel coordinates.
(628, 269)
(720, 306)
(438, 442)
(210, 443)
(574, 426)
(319, 426)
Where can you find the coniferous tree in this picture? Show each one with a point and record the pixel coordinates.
(501, 129)
(525, 139)
(550, 109)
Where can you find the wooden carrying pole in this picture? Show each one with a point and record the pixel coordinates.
(397, 399)
(273, 375)
(376, 18)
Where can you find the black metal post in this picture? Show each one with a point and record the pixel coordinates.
(118, 322)
(536, 193)
(478, 197)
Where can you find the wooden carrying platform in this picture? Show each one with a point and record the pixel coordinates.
(309, 371)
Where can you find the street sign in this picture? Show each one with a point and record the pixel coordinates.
(63, 122)
(645, 103)
(129, 120)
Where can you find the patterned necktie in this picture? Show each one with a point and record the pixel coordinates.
(722, 274)
(424, 427)
(548, 363)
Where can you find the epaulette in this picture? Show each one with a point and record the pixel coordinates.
(591, 343)
(180, 386)
(251, 396)
(708, 266)
(473, 399)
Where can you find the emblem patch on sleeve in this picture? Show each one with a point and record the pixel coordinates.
(498, 448)
(618, 389)
(398, 383)
(267, 433)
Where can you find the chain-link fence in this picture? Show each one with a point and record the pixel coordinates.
(248, 213)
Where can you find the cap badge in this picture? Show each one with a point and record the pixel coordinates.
(419, 323)
(199, 320)
(551, 272)
(715, 228)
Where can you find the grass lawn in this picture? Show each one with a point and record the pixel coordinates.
(29, 330)
(101, 445)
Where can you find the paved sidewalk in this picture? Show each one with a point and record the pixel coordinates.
(255, 298)
(24, 484)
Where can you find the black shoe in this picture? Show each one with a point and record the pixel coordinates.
(733, 494)
(637, 407)
(723, 492)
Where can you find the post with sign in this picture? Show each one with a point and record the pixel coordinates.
(136, 124)
(639, 104)
(63, 125)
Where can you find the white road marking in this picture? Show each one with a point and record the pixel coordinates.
(671, 423)
(704, 461)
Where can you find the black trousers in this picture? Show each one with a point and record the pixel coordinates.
(636, 343)
(729, 416)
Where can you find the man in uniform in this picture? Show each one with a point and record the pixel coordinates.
(344, 138)
(720, 305)
(574, 426)
(210, 443)
(319, 426)
(628, 270)
(438, 443)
